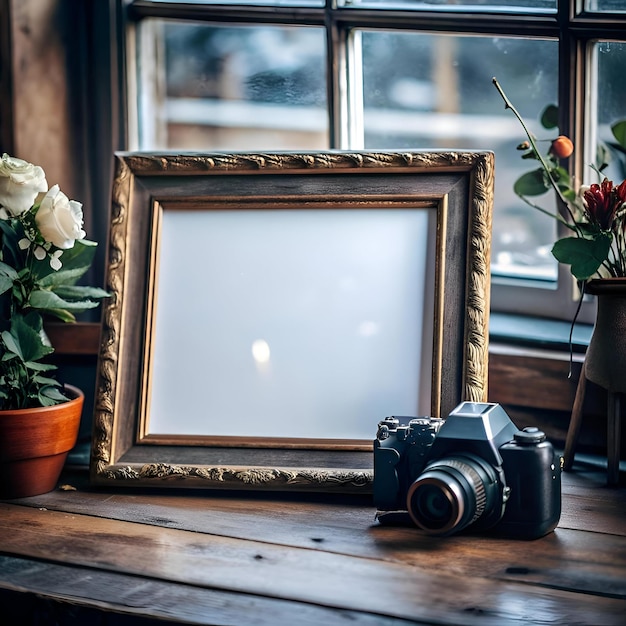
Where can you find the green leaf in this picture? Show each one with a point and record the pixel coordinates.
(590, 230)
(25, 340)
(10, 249)
(62, 314)
(61, 277)
(44, 401)
(79, 292)
(5, 284)
(561, 176)
(619, 132)
(530, 155)
(12, 346)
(75, 262)
(49, 301)
(7, 277)
(49, 396)
(7, 270)
(550, 116)
(44, 380)
(65, 316)
(54, 394)
(35, 321)
(531, 184)
(569, 194)
(583, 255)
(603, 155)
(7, 229)
(40, 367)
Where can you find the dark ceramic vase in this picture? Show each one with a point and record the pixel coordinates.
(605, 362)
(34, 444)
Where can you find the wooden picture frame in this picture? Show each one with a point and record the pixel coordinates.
(456, 187)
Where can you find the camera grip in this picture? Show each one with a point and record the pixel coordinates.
(386, 486)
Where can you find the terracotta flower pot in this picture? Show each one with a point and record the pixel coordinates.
(34, 444)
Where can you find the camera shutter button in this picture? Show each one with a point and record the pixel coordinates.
(530, 435)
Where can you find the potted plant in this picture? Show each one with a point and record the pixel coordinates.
(595, 248)
(594, 215)
(43, 254)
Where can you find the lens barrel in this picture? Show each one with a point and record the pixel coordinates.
(452, 493)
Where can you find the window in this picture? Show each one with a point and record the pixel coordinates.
(373, 74)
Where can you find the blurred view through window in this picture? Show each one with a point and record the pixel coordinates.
(441, 97)
(382, 74)
(239, 88)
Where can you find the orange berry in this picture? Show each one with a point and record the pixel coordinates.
(562, 147)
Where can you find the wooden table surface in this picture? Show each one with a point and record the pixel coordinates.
(98, 556)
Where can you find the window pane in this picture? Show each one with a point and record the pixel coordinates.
(435, 92)
(611, 99)
(510, 5)
(268, 3)
(231, 88)
(615, 6)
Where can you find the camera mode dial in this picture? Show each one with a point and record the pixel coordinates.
(529, 436)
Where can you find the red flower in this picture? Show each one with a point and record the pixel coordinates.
(602, 202)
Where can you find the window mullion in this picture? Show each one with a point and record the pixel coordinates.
(335, 85)
(573, 113)
(354, 58)
(341, 88)
(345, 98)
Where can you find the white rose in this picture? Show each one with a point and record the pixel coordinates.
(59, 219)
(20, 182)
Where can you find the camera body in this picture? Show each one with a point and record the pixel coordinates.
(475, 470)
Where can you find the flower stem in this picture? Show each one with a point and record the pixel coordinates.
(533, 144)
(619, 256)
(555, 216)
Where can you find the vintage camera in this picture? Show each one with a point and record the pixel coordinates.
(474, 469)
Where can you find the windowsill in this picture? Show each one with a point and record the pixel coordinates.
(532, 371)
(534, 332)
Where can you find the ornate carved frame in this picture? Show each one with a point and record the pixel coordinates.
(458, 185)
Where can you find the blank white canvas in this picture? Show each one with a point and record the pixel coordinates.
(289, 323)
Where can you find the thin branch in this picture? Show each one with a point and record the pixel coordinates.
(555, 216)
(533, 144)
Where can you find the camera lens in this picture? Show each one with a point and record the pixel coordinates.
(433, 505)
(452, 493)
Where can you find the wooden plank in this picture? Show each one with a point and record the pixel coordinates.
(81, 338)
(47, 114)
(309, 575)
(532, 378)
(567, 560)
(601, 511)
(123, 594)
(7, 99)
